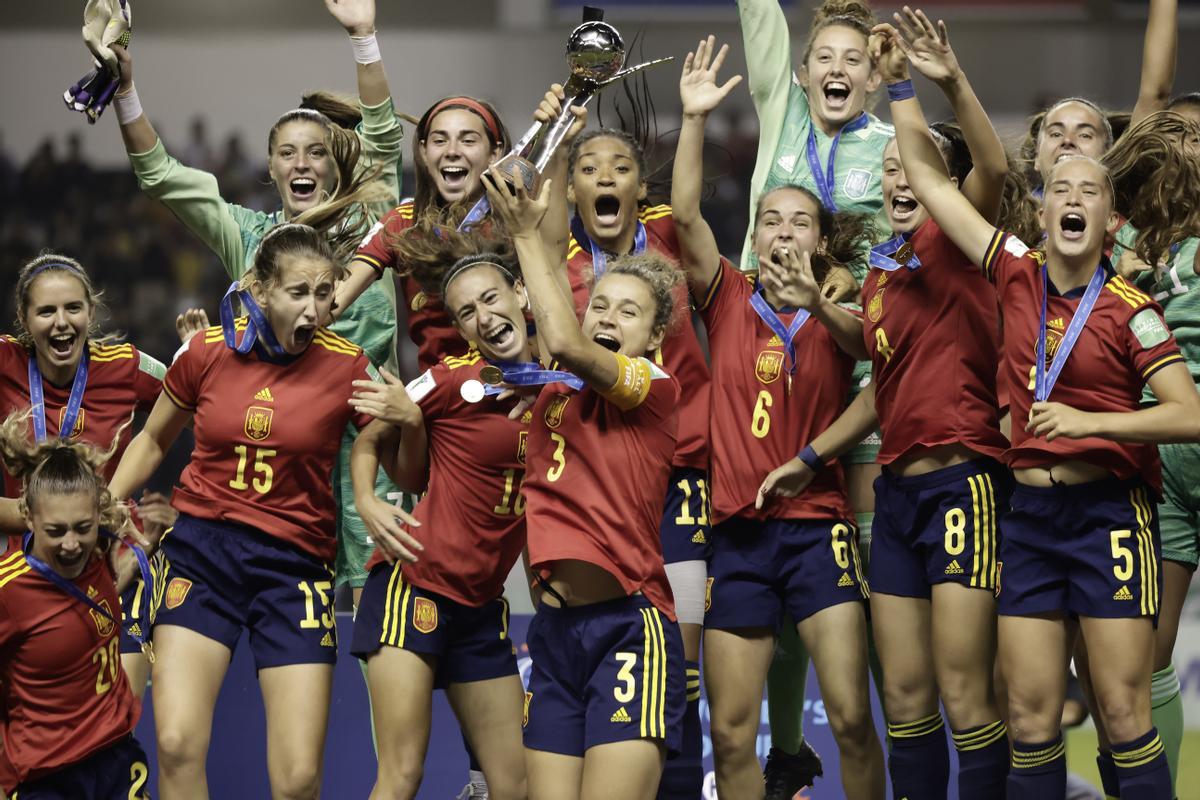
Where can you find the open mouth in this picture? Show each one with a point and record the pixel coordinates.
(607, 342)
(303, 188)
(779, 255)
(61, 345)
(501, 335)
(903, 206)
(836, 93)
(608, 209)
(454, 177)
(1072, 225)
(304, 334)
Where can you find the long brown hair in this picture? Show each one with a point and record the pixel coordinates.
(1156, 183)
(845, 232)
(57, 262)
(425, 195)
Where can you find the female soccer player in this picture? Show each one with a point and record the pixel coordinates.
(442, 622)
(80, 383)
(1081, 539)
(310, 159)
(255, 537)
(606, 697)
(68, 711)
(797, 556)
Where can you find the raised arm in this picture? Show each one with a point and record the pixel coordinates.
(146, 451)
(926, 170)
(700, 94)
(358, 18)
(1158, 59)
(928, 49)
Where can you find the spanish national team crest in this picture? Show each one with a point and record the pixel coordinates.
(875, 306)
(177, 592)
(525, 713)
(425, 615)
(554, 411)
(79, 421)
(104, 624)
(521, 437)
(856, 184)
(768, 366)
(258, 422)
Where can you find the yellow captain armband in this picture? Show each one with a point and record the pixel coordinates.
(633, 382)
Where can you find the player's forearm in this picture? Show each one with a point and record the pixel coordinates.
(127, 570)
(845, 327)
(1164, 423)
(11, 519)
(365, 459)
(138, 463)
(985, 185)
(1158, 59)
(698, 252)
(359, 277)
(858, 420)
(138, 134)
(373, 86)
(557, 326)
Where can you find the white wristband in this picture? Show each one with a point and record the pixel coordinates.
(128, 106)
(366, 48)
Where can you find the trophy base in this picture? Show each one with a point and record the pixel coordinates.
(526, 173)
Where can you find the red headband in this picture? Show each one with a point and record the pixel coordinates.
(489, 119)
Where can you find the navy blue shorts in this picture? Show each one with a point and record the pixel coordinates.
(117, 772)
(1090, 550)
(470, 643)
(220, 578)
(602, 673)
(685, 529)
(940, 527)
(135, 600)
(763, 569)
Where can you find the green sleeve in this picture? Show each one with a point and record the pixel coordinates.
(194, 197)
(767, 44)
(382, 140)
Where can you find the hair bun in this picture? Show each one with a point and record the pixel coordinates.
(855, 10)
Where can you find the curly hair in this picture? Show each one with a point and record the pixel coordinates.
(846, 234)
(57, 467)
(46, 262)
(662, 277)
(1156, 182)
(434, 243)
(854, 14)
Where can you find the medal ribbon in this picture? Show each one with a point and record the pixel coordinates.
(530, 373)
(599, 258)
(883, 255)
(257, 327)
(43, 569)
(825, 179)
(786, 333)
(1043, 382)
(37, 398)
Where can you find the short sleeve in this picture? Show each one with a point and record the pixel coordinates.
(728, 287)
(1149, 342)
(374, 249)
(182, 382)
(1004, 254)
(148, 380)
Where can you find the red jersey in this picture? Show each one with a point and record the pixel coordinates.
(267, 435)
(757, 424)
(933, 334)
(473, 514)
(1124, 342)
(596, 481)
(429, 325)
(120, 380)
(681, 354)
(64, 693)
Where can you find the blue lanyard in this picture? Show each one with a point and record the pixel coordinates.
(37, 398)
(599, 258)
(257, 327)
(477, 212)
(142, 634)
(825, 179)
(1043, 382)
(528, 373)
(894, 254)
(786, 333)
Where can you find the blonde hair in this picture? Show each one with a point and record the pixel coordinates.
(660, 276)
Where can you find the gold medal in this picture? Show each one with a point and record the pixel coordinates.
(491, 375)
(148, 649)
(904, 254)
(788, 386)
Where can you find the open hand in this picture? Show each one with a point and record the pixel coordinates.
(787, 480)
(518, 212)
(383, 521)
(698, 88)
(388, 401)
(927, 47)
(356, 16)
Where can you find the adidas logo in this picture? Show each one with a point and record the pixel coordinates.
(1057, 324)
(775, 341)
(327, 640)
(621, 715)
(135, 630)
(265, 395)
(1123, 594)
(845, 580)
(954, 568)
(698, 538)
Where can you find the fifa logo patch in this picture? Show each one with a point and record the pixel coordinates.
(856, 184)
(258, 422)
(425, 616)
(177, 592)
(77, 429)
(875, 306)
(768, 366)
(104, 624)
(554, 412)
(521, 437)
(525, 712)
